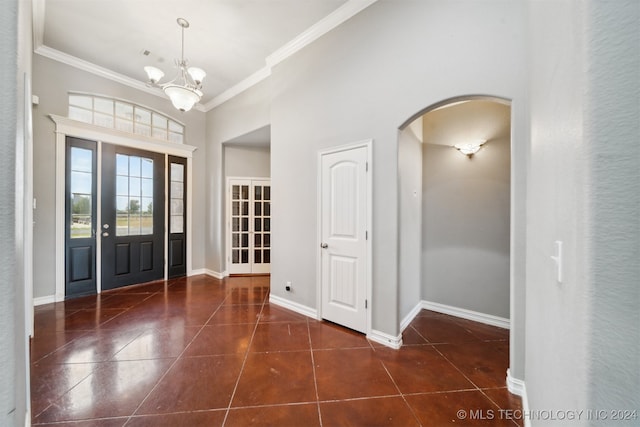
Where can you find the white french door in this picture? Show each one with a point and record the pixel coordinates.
(249, 226)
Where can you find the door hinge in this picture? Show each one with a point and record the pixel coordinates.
(366, 166)
(366, 235)
(365, 304)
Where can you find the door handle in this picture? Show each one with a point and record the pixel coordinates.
(105, 234)
(324, 246)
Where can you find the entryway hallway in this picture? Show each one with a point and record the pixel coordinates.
(206, 352)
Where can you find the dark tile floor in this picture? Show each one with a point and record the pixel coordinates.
(208, 352)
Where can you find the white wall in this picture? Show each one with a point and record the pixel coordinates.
(363, 80)
(54, 100)
(410, 218)
(15, 40)
(466, 208)
(583, 334)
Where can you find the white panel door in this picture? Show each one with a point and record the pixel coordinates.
(249, 230)
(343, 235)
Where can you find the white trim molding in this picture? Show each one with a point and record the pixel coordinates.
(319, 29)
(518, 387)
(293, 306)
(383, 338)
(409, 317)
(44, 300)
(476, 316)
(212, 273)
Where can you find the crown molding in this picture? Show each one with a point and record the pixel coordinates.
(319, 29)
(245, 84)
(97, 70)
(328, 23)
(322, 27)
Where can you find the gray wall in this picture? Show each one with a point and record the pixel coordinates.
(243, 114)
(51, 82)
(410, 219)
(247, 161)
(583, 335)
(363, 80)
(465, 234)
(15, 41)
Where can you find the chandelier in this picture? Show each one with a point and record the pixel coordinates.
(184, 90)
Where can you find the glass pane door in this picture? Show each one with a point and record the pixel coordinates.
(249, 208)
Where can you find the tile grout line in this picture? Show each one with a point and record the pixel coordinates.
(174, 362)
(313, 369)
(244, 361)
(400, 393)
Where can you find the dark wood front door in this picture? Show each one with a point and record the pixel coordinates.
(132, 223)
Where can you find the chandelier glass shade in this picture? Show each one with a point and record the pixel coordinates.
(184, 90)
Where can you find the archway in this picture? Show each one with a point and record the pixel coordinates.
(455, 211)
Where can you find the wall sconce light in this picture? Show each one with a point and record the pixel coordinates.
(470, 148)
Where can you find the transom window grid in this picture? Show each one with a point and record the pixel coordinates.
(125, 117)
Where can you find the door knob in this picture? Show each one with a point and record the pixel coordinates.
(324, 246)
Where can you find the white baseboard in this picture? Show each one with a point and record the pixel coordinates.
(409, 317)
(293, 306)
(385, 339)
(476, 316)
(214, 273)
(197, 272)
(44, 300)
(518, 387)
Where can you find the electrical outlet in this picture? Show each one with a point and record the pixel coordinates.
(288, 287)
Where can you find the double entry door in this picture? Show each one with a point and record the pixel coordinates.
(249, 226)
(121, 239)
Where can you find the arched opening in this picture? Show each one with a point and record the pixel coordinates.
(455, 211)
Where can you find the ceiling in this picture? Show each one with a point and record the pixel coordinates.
(234, 41)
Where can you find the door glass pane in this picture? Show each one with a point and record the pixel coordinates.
(266, 258)
(245, 256)
(267, 193)
(177, 224)
(245, 240)
(245, 192)
(147, 168)
(267, 209)
(81, 186)
(257, 223)
(257, 256)
(257, 209)
(177, 198)
(267, 240)
(177, 172)
(245, 208)
(258, 192)
(257, 240)
(134, 196)
(267, 224)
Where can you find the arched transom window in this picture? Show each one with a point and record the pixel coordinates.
(124, 116)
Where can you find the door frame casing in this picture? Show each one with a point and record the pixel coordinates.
(68, 127)
(368, 144)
